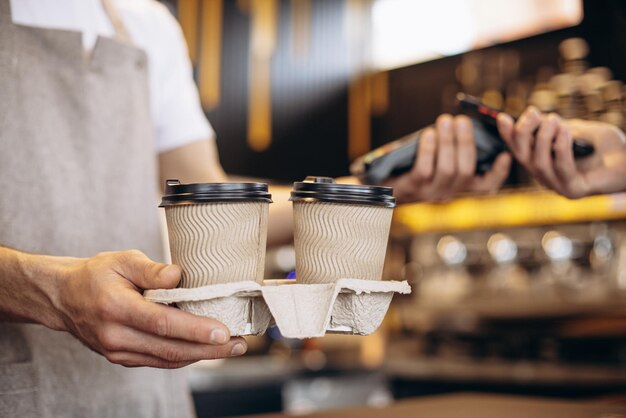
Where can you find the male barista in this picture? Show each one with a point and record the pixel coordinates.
(97, 102)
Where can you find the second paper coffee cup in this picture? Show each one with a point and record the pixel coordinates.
(217, 231)
(340, 231)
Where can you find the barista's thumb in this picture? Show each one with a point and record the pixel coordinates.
(144, 273)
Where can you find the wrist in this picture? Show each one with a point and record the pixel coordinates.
(44, 278)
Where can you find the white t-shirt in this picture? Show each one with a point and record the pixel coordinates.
(175, 107)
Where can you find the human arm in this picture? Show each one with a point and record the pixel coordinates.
(198, 162)
(99, 301)
(445, 167)
(543, 145)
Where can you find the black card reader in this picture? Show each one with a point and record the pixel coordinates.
(397, 157)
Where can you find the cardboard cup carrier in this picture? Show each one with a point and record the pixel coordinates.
(217, 235)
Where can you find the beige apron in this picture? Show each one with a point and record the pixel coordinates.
(77, 176)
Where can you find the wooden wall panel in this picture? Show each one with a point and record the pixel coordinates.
(309, 94)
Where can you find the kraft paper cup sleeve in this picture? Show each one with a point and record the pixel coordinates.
(350, 306)
(218, 243)
(334, 240)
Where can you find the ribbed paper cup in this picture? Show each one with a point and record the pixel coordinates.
(217, 232)
(340, 231)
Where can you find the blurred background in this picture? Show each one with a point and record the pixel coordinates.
(518, 293)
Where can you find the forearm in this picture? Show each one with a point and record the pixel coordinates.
(198, 162)
(280, 225)
(29, 287)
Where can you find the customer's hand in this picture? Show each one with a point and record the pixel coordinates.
(102, 305)
(446, 165)
(543, 145)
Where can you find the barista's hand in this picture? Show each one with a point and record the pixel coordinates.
(101, 304)
(547, 154)
(446, 165)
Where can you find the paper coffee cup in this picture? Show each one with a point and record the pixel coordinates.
(217, 231)
(340, 231)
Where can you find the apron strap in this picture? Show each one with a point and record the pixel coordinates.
(5, 11)
(121, 33)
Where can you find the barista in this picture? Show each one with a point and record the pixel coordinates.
(86, 123)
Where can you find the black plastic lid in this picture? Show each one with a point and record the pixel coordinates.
(324, 189)
(188, 194)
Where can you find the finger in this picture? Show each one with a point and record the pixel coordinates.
(523, 136)
(542, 153)
(144, 273)
(506, 128)
(492, 180)
(465, 153)
(564, 163)
(571, 183)
(124, 339)
(142, 360)
(425, 163)
(130, 308)
(445, 170)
